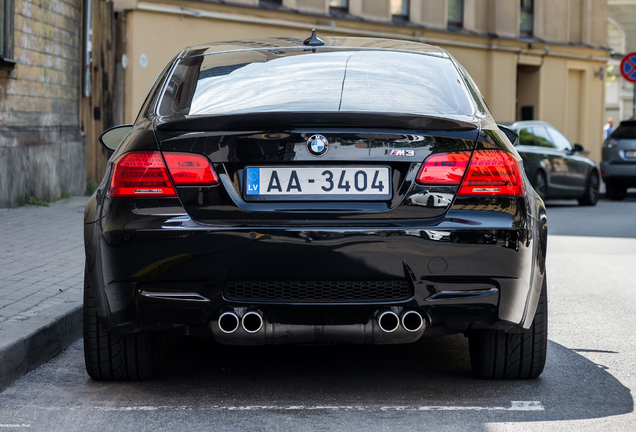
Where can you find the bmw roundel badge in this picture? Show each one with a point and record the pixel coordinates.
(317, 145)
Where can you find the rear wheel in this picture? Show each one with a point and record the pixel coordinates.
(616, 191)
(591, 191)
(112, 357)
(498, 355)
(540, 184)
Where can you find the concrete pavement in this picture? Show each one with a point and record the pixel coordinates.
(41, 277)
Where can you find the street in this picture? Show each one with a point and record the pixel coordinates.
(586, 385)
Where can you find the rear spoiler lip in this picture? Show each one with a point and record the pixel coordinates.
(289, 120)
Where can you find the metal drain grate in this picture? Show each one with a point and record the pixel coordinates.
(318, 291)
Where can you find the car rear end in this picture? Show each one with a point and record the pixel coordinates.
(332, 216)
(618, 166)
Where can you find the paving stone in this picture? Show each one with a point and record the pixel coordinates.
(41, 253)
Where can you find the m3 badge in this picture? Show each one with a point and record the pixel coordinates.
(401, 152)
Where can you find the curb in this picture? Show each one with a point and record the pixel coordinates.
(28, 345)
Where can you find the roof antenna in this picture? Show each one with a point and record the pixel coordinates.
(314, 40)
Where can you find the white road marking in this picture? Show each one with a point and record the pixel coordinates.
(514, 406)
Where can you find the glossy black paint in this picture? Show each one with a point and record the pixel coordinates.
(313, 40)
(233, 151)
(472, 262)
(492, 248)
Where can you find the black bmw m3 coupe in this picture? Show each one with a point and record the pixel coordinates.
(345, 190)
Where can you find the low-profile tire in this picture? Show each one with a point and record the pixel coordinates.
(540, 184)
(615, 191)
(498, 355)
(113, 357)
(591, 191)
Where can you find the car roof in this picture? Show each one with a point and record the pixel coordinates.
(331, 42)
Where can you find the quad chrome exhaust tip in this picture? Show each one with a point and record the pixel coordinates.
(243, 326)
(388, 321)
(412, 321)
(252, 322)
(229, 322)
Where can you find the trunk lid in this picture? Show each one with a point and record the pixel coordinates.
(360, 145)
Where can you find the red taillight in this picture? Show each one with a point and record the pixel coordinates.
(141, 174)
(189, 169)
(490, 173)
(446, 169)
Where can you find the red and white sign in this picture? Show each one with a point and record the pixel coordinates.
(628, 67)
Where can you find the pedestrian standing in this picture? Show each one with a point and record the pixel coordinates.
(608, 128)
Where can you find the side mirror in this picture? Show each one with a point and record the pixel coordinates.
(114, 136)
(512, 135)
(578, 148)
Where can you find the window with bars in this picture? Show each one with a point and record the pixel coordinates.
(526, 18)
(341, 5)
(456, 13)
(400, 9)
(6, 29)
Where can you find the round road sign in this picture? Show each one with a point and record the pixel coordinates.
(628, 67)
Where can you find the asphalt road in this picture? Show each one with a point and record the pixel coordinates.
(586, 385)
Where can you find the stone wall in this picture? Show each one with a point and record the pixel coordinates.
(41, 146)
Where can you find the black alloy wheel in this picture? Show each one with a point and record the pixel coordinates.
(540, 184)
(616, 191)
(499, 355)
(591, 191)
(113, 357)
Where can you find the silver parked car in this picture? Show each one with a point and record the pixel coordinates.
(618, 167)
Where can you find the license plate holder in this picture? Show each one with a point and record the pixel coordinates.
(318, 183)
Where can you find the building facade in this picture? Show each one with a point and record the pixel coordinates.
(41, 144)
(70, 69)
(532, 59)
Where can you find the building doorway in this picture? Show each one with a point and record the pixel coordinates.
(527, 92)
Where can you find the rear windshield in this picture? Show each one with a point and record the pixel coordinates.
(625, 130)
(348, 81)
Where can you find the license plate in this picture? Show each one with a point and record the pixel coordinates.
(630, 154)
(331, 183)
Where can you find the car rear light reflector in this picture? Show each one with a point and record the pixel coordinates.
(492, 173)
(190, 169)
(141, 174)
(446, 169)
(610, 143)
(487, 173)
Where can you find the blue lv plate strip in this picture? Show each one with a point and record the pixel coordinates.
(253, 181)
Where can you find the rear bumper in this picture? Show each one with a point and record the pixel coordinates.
(480, 266)
(618, 171)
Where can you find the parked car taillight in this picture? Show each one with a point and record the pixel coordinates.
(144, 174)
(189, 169)
(490, 173)
(444, 169)
(610, 143)
(141, 174)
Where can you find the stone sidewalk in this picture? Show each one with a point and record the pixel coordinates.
(41, 280)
